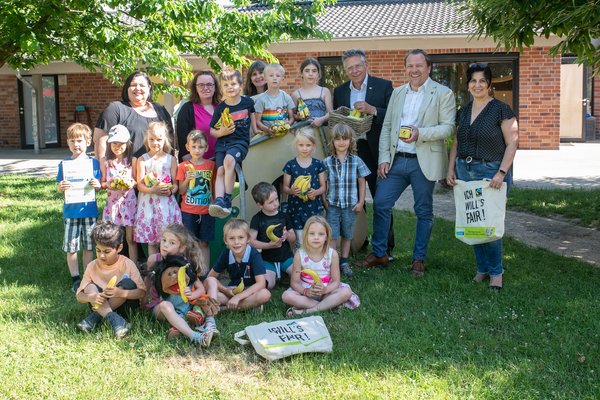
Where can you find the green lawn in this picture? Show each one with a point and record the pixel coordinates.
(437, 337)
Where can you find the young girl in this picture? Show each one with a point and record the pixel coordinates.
(317, 98)
(303, 203)
(156, 171)
(248, 286)
(176, 240)
(346, 189)
(118, 178)
(306, 295)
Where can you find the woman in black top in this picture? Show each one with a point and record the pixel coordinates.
(484, 148)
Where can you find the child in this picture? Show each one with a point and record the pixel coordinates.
(109, 300)
(306, 294)
(173, 306)
(304, 203)
(118, 178)
(274, 104)
(156, 171)
(233, 139)
(317, 98)
(247, 287)
(346, 188)
(176, 240)
(269, 224)
(78, 217)
(196, 179)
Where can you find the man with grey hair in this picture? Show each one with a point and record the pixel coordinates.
(369, 95)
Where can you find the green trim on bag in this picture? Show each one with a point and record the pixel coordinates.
(474, 232)
(272, 346)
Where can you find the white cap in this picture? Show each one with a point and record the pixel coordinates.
(118, 133)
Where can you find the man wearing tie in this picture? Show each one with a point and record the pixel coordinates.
(426, 110)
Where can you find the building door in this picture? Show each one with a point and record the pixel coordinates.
(572, 110)
(28, 110)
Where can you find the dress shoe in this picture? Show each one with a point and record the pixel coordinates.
(496, 282)
(373, 261)
(418, 268)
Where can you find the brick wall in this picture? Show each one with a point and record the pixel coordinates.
(596, 104)
(10, 129)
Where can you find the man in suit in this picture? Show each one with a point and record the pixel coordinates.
(427, 109)
(369, 95)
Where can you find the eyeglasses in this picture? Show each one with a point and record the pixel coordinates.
(478, 65)
(205, 85)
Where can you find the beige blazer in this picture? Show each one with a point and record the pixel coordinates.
(436, 122)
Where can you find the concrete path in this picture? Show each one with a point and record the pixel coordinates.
(574, 165)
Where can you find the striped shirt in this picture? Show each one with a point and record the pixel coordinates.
(342, 179)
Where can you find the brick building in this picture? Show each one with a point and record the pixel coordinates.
(536, 85)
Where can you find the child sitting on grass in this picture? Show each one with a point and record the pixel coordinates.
(111, 283)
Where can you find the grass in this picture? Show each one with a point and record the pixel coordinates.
(439, 337)
(581, 205)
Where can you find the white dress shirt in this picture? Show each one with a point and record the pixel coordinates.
(358, 94)
(410, 114)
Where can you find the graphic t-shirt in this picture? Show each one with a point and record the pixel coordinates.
(273, 108)
(200, 189)
(260, 222)
(240, 113)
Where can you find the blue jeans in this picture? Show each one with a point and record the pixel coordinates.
(404, 172)
(488, 255)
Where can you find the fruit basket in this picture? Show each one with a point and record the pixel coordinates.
(341, 116)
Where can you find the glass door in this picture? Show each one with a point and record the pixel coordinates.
(29, 112)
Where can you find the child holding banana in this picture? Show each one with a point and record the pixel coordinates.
(274, 107)
(313, 102)
(196, 178)
(271, 231)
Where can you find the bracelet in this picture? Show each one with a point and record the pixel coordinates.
(503, 172)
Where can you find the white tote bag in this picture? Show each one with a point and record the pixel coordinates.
(480, 211)
(275, 340)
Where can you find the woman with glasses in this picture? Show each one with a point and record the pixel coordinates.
(197, 112)
(484, 148)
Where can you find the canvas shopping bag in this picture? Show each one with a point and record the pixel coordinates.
(480, 211)
(275, 340)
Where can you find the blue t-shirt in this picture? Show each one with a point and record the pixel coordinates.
(240, 113)
(80, 210)
(250, 266)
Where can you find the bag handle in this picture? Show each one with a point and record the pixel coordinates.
(238, 337)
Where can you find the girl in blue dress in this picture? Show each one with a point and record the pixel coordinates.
(317, 98)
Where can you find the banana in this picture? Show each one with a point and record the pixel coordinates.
(355, 114)
(270, 234)
(111, 283)
(280, 128)
(303, 111)
(225, 119)
(316, 278)
(181, 275)
(303, 183)
(192, 183)
(239, 288)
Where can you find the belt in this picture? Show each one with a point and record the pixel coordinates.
(469, 159)
(405, 155)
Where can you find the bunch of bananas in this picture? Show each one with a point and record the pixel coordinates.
(225, 119)
(270, 234)
(355, 114)
(120, 184)
(191, 169)
(303, 183)
(280, 128)
(152, 179)
(303, 111)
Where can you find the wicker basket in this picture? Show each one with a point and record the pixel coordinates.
(360, 126)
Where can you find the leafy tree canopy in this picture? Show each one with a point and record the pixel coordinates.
(516, 23)
(116, 37)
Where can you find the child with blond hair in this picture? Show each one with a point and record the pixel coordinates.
(274, 104)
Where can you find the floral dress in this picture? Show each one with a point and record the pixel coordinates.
(121, 204)
(299, 210)
(155, 212)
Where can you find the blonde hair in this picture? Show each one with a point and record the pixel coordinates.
(196, 135)
(192, 250)
(228, 74)
(317, 219)
(342, 131)
(155, 128)
(235, 223)
(275, 66)
(306, 132)
(77, 130)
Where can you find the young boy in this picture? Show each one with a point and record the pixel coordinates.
(247, 287)
(79, 217)
(271, 231)
(274, 104)
(196, 179)
(107, 299)
(346, 189)
(233, 138)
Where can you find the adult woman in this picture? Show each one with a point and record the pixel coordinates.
(484, 148)
(135, 111)
(205, 94)
(255, 80)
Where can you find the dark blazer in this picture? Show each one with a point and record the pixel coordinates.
(378, 95)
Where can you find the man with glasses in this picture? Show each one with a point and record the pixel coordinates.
(412, 151)
(369, 95)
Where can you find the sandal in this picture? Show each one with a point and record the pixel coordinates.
(496, 282)
(293, 311)
(480, 277)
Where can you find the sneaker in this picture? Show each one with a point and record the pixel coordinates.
(346, 269)
(202, 338)
(75, 285)
(390, 256)
(89, 323)
(194, 317)
(119, 326)
(219, 208)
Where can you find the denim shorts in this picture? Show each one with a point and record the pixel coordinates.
(202, 227)
(342, 222)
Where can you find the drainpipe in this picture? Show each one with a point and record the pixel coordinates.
(34, 130)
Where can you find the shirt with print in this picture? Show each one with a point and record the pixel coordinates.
(199, 193)
(273, 108)
(342, 176)
(248, 268)
(240, 113)
(80, 210)
(260, 222)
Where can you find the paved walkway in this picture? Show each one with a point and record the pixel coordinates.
(574, 165)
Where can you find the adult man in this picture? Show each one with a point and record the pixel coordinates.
(369, 95)
(428, 109)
